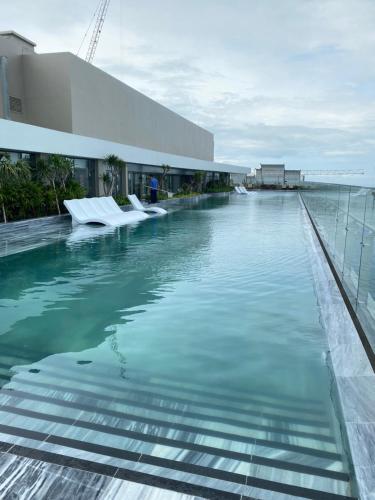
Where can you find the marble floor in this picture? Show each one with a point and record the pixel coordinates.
(36, 480)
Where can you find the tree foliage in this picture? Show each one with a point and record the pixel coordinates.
(110, 178)
(55, 171)
(11, 173)
(35, 192)
(166, 170)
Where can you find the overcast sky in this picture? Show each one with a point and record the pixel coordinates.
(275, 80)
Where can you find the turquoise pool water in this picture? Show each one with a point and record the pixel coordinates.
(186, 348)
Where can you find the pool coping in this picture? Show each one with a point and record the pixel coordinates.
(353, 374)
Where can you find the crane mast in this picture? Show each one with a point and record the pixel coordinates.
(103, 8)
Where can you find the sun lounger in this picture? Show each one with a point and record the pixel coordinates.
(137, 205)
(103, 210)
(361, 192)
(241, 190)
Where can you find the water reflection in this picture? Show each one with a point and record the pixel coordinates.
(66, 296)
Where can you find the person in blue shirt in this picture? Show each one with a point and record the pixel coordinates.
(154, 184)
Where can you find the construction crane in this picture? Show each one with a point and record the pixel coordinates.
(99, 16)
(333, 172)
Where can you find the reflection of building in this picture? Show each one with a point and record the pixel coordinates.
(68, 98)
(277, 175)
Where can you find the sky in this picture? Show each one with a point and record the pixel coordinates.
(276, 81)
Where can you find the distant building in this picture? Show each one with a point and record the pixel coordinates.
(276, 175)
(293, 178)
(271, 174)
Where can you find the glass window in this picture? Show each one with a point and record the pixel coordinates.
(81, 172)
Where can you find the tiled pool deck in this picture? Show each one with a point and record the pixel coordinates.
(24, 474)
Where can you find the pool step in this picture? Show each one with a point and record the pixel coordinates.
(179, 417)
(221, 444)
(198, 403)
(75, 402)
(11, 356)
(150, 469)
(168, 454)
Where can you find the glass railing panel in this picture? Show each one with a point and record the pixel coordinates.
(353, 242)
(366, 281)
(345, 219)
(341, 228)
(352, 258)
(332, 208)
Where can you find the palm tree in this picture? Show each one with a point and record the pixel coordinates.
(55, 170)
(110, 177)
(166, 169)
(10, 172)
(198, 181)
(65, 168)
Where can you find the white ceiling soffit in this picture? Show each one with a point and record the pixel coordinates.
(15, 136)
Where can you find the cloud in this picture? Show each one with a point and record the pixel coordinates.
(290, 81)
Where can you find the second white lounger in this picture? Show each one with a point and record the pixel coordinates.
(241, 189)
(137, 205)
(103, 210)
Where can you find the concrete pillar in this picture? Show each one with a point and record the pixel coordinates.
(100, 171)
(4, 88)
(126, 180)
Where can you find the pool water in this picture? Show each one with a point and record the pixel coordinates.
(184, 352)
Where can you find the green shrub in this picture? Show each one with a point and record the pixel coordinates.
(186, 195)
(217, 187)
(121, 200)
(73, 189)
(31, 198)
(24, 200)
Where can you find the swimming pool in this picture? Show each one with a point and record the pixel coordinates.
(185, 352)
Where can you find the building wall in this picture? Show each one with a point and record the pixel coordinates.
(109, 109)
(62, 92)
(293, 177)
(48, 91)
(271, 174)
(13, 48)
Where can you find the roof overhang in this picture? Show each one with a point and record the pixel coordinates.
(17, 35)
(16, 136)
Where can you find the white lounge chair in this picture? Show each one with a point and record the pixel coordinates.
(241, 190)
(137, 205)
(103, 210)
(361, 192)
